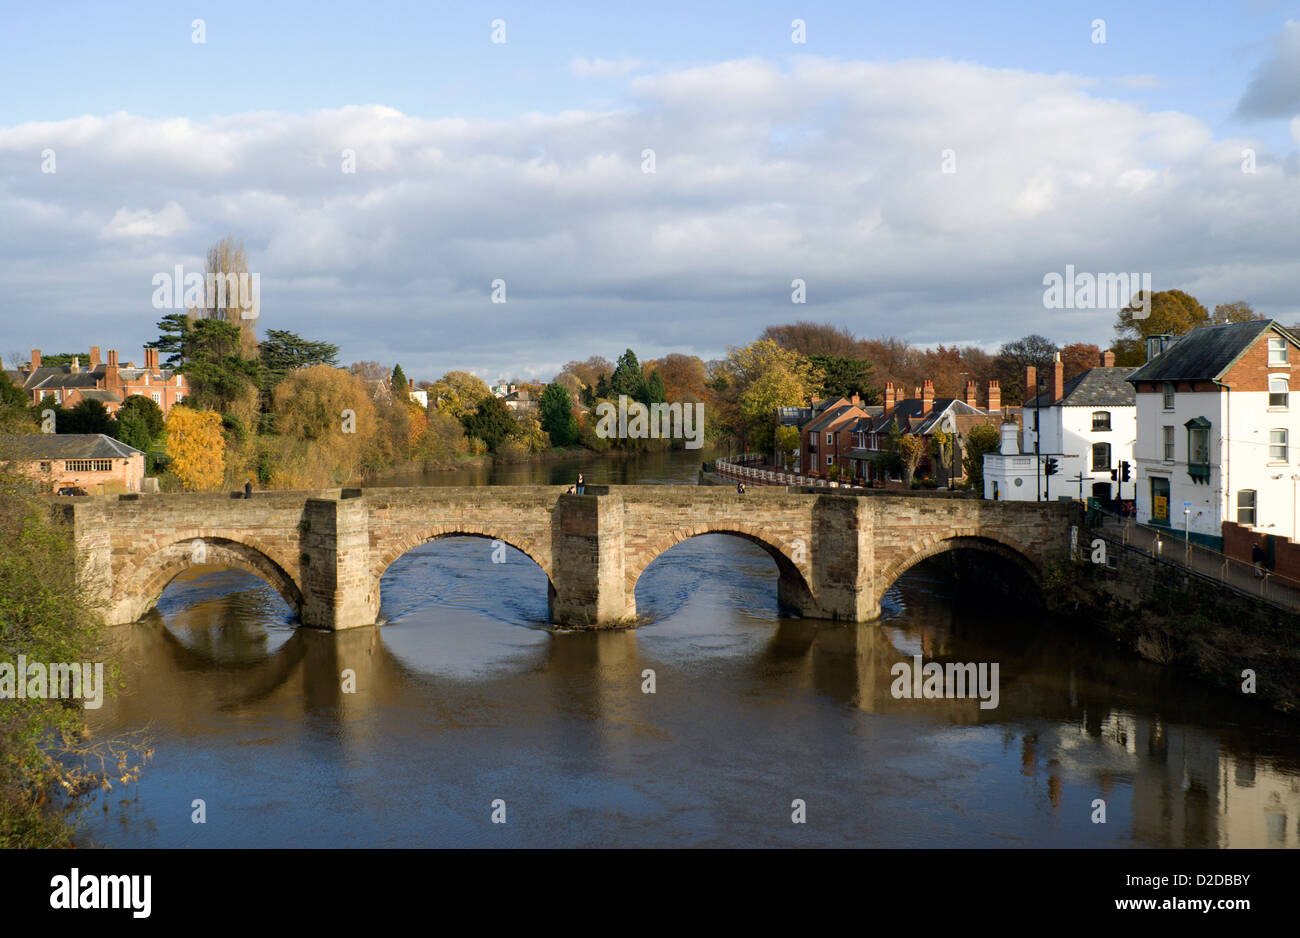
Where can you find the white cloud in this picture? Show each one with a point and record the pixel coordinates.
(142, 223)
(822, 170)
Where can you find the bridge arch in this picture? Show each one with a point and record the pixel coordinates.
(138, 592)
(933, 545)
(792, 578)
(386, 555)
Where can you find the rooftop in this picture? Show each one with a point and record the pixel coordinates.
(63, 446)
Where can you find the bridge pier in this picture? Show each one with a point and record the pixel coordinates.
(589, 589)
(339, 591)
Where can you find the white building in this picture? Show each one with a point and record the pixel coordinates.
(1215, 432)
(1088, 424)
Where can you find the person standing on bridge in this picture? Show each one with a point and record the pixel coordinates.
(248, 488)
(1257, 557)
(580, 485)
(740, 488)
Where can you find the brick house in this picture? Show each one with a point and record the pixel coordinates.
(826, 438)
(107, 381)
(90, 461)
(920, 415)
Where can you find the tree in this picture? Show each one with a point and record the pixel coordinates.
(139, 422)
(399, 383)
(556, 408)
(683, 377)
(219, 373)
(491, 422)
(981, 439)
(170, 343)
(227, 264)
(86, 417)
(457, 393)
(328, 415)
(836, 377)
(779, 386)
(627, 378)
(12, 397)
(1079, 357)
(911, 450)
(1172, 312)
(811, 338)
(1014, 358)
(282, 352)
(196, 448)
(589, 372)
(1238, 311)
(787, 443)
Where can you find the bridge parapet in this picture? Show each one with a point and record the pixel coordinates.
(326, 551)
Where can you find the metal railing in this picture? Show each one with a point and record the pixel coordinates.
(1205, 562)
(750, 467)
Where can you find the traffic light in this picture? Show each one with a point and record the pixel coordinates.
(1051, 469)
(1124, 473)
(1114, 475)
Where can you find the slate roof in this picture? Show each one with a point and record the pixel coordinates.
(63, 446)
(829, 416)
(1204, 354)
(1096, 387)
(104, 397)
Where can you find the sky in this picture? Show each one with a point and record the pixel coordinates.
(919, 167)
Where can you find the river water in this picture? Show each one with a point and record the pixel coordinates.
(466, 706)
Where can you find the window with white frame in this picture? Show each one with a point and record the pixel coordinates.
(157, 397)
(1169, 442)
(830, 438)
(1278, 388)
(1277, 445)
(1169, 395)
(1277, 350)
(829, 459)
(1101, 420)
(1246, 506)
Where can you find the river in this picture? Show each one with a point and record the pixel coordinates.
(466, 706)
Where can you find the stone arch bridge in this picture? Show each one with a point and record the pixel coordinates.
(326, 551)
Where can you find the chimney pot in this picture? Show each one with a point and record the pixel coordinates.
(36, 358)
(94, 357)
(1108, 359)
(1031, 383)
(927, 396)
(971, 393)
(995, 398)
(1058, 378)
(112, 358)
(891, 398)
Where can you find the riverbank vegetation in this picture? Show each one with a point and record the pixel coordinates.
(47, 765)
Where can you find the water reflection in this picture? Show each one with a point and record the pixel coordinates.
(466, 697)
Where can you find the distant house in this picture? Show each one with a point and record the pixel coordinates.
(826, 438)
(1215, 428)
(922, 415)
(92, 462)
(519, 401)
(107, 381)
(1088, 424)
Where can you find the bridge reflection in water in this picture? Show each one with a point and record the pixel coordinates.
(465, 697)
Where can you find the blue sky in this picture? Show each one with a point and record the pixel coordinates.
(504, 158)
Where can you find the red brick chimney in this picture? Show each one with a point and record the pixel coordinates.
(112, 358)
(854, 399)
(1031, 383)
(890, 398)
(927, 396)
(1108, 359)
(995, 398)
(36, 358)
(150, 359)
(916, 391)
(412, 380)
(94, 357)
(971, 393)
(1058, 379)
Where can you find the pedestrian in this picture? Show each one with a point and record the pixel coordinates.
(581, 486)
(248, 488)
(572, 491)
(1257, 557)
(740, 488)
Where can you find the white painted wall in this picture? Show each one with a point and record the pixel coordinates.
(1068, 431)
